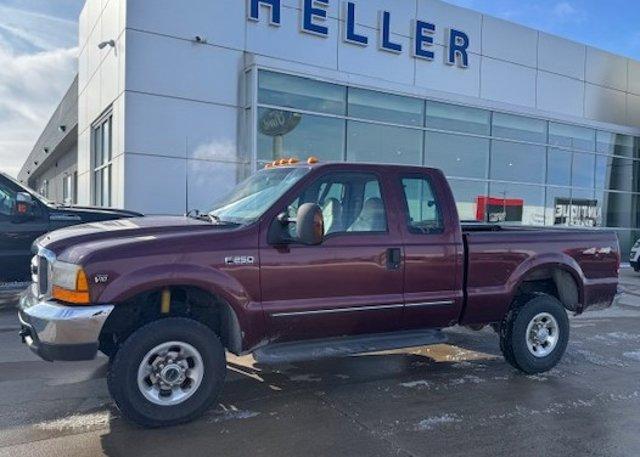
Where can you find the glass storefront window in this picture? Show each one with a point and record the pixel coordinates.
(583, 170)
(558, 206)
(518, 162)
(442, 116)
(619, 209)
(516, 203)
(288, 134)
(585, 209)
(501, 167)
(378, 106)
(559, 167)
(301, 93)
(467, 194)
(458, 155)
(383, 144)
(571, 136)
(519, 128)
(615, 144)
(623, 174)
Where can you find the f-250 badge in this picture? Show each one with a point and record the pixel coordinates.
(240, 260)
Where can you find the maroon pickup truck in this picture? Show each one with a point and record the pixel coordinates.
(302, 261)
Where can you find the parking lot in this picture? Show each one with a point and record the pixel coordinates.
(454, 399)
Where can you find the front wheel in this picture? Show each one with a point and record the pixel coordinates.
(168, 372)
(535, 333)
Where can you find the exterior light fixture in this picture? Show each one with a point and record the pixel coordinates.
(104, 44)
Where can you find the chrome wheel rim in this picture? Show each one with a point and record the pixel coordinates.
(170, 373)
(543, 334)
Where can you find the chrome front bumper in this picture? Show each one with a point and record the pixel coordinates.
(57, 332)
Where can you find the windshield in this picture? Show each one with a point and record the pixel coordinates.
(252, 197)
(33, 193)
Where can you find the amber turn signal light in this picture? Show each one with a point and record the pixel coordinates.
(80, 296)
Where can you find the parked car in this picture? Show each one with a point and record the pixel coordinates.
(634, 257)
(25, 215)
(303, 261)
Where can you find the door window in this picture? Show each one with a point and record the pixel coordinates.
(7, 201)
(350, 202)
(423, 210)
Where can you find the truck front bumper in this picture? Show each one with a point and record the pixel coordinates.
(58, 332)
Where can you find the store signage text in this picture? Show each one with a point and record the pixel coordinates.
(314, 21)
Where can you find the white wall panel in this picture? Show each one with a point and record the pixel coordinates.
(560, 94)
(508, 41)
(437, 75)
(370, 61)
(154, 184)
(288, 42)
(180, 128)
(109, 74)
(605, 69)
(633, 110)
(94, 102)
(507, 82)
(110, 21)
(445, 15)
(634, 77)
(558, 55)
(221, 22)
(605, 105)
(177, 68)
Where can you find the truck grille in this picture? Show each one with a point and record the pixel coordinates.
(40, 274)
(43, 276)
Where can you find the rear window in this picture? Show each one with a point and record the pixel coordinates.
(423, 209)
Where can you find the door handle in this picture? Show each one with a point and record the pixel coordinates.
(394, 259)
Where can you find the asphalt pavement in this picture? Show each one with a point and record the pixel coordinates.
(455, 399)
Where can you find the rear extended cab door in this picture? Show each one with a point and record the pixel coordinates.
(433, 249)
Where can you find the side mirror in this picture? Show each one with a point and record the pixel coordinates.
(24, 205)
(310, 224)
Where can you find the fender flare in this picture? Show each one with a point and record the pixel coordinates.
(211, 280)
(561, 262)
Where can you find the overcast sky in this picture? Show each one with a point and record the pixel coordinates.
(38, 51)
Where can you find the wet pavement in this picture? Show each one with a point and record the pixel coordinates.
(454, 399)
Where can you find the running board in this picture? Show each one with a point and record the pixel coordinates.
(342, 346)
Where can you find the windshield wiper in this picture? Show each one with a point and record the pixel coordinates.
(208, 217)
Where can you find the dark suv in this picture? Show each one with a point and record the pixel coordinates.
(25, 215)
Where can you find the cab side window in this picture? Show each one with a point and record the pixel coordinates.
(423, 210)
(7, 201)
(350, 203)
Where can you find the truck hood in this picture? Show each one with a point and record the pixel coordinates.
(91, 213)
(59, 240)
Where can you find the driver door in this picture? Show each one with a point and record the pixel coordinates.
(350, 284)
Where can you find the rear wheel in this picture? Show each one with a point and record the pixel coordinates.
(535, 333)
(168, 372)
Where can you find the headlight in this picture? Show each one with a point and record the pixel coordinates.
(69, 283)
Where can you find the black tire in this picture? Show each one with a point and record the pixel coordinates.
(122, 379)
(513, 333)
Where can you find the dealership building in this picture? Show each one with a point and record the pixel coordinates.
(176, 101)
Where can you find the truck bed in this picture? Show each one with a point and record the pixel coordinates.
(499, 258)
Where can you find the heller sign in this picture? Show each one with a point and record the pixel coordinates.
(314, 21)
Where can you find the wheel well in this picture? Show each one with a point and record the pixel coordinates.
(174, 301)
(554, 281)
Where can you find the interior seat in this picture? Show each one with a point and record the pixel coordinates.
(371, 218)
(332, 213)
